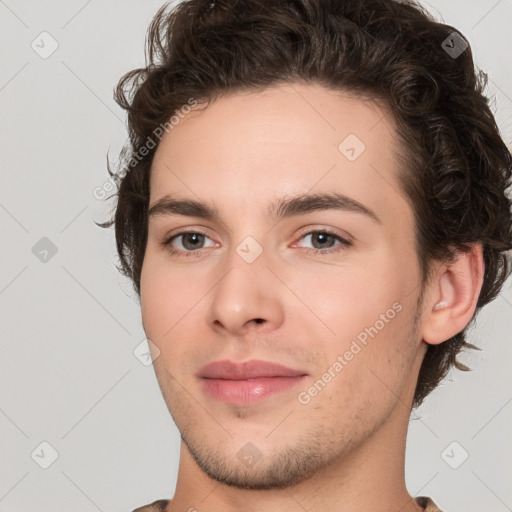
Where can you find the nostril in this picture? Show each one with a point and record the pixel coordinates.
(258, 320)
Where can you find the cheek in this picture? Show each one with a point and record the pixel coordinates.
(167, 301)
(166, 297)
(361, 313)
(365, 364)
(348, 299)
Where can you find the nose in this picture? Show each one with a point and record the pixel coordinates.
(247, 296)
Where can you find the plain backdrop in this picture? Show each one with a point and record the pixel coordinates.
(74, 396)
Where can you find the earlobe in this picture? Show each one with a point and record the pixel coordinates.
(453, 296)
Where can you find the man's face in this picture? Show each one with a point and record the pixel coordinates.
(250, 286)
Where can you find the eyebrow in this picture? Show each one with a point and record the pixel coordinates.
(282, 208)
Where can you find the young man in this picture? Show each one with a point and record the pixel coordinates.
(312, 209)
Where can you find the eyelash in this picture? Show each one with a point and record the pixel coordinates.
(198, 252)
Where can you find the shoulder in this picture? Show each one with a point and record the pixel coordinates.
(428, 504)
(156, 506)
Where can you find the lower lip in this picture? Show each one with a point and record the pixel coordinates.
(248, 392)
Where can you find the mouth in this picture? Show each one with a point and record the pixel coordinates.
(248, 383)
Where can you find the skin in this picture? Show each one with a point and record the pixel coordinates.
(345, 449)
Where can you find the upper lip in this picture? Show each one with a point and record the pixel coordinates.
(248, 370)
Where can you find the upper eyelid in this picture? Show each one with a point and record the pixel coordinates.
(343, 240)
(332, 231)
(184, 231)
(170, 238)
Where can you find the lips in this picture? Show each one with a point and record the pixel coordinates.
(249, 383)
(254, 369)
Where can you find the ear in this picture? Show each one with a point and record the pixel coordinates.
(452, 296)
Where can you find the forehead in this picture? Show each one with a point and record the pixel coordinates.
(249, 148)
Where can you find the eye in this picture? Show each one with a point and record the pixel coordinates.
(324, 241)
(187, 242)
(192, 243)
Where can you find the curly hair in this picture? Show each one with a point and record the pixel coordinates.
(455, 168)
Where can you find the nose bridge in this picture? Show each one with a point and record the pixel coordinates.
(245, 292)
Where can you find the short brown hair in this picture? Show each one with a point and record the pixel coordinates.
(455, 169)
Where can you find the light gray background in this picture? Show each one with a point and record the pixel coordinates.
(70, 325)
